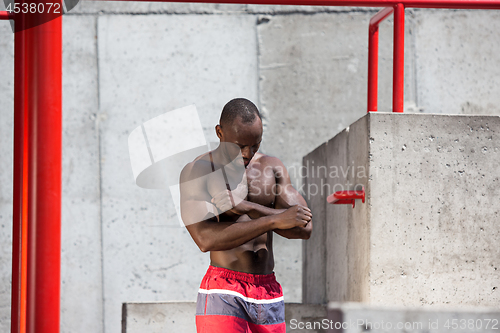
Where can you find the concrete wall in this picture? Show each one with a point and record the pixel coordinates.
(304, 66)
(427, 234)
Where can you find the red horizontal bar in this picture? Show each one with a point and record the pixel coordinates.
(4, 15)
(456, 4)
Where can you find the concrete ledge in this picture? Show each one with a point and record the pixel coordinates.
(359, 317)
(158, 317)
(180, 317)
(427, 233)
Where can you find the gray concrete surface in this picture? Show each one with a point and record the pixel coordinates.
(457, 62)
(313, 78)
(359, 317)
(180, 317)
(110, 87)
(81, 237)
(146, 255)
(314, 270)
(6, 135)
(347, 231)
(427, 233)
(433, 241)
(159, 317)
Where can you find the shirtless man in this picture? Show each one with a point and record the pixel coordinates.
(232, 200)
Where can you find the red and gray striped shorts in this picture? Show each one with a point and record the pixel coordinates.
(230, 301)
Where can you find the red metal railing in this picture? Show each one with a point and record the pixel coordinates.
(451, 4)
(36, 240)
(373, 56)
(398, 58)
(37, 149)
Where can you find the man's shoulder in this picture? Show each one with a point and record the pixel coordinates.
(273, 162)
(269, 160)
(199, 167)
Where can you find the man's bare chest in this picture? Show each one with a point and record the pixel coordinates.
(261, 186)
(257, 184)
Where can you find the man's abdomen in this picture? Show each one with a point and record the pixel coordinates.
(255, 256)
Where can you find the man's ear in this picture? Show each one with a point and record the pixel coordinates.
(218, 131)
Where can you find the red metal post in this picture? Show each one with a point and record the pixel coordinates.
(43, 83)
(373, 57)
(20, 188)
(399, 59)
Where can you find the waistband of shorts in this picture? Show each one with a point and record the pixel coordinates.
(247, 277)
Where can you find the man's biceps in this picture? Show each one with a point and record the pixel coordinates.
(194, 211)
(289, 196)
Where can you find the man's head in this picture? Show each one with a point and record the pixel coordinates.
(240, 123)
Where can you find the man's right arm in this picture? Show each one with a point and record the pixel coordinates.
(199, 216)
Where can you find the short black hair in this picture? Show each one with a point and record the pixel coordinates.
(240, 108)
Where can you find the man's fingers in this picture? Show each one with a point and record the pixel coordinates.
(306, 218)
(306, 211)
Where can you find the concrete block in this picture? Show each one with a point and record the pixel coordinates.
(81, 257)
(6, 176)
(432, 192)
(159, 317)
(336, 256)
(457, 56)
(149, 66)
(359, 317)
(425, 235)
(296, 313)
(180, 317)
(314, 249)
(347, 229)
(337, 271)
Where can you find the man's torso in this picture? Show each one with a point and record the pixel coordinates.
(257, 184)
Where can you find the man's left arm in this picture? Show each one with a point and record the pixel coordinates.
(287, 196)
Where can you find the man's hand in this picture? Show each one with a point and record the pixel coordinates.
(224, 200)
(295, 216)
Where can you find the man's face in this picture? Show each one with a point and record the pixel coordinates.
(246, 137)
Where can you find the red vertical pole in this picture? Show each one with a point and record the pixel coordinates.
(373, 57)
(372, 68)
(399, 59)
(20, 186)
(44, 103)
